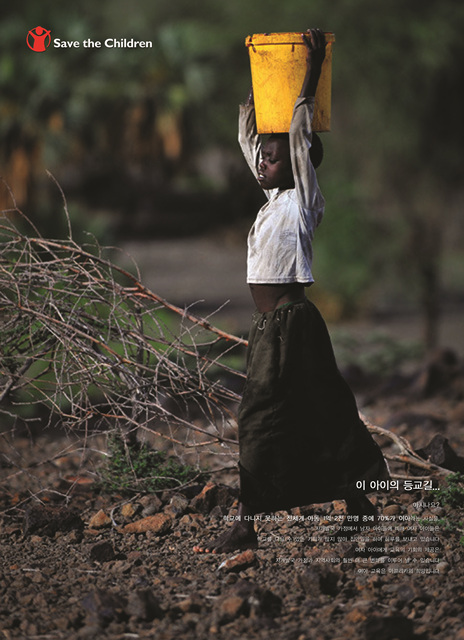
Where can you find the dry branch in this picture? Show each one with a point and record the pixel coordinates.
(406, 453)
(82, 337)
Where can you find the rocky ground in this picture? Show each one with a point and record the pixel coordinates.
(79, 563)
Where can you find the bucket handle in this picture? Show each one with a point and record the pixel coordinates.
(249, 43)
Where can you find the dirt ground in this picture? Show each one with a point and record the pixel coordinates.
(79, 563)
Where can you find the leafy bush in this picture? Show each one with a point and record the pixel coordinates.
(452, 495)
(138, 469)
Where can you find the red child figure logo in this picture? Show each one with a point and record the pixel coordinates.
(37, 39)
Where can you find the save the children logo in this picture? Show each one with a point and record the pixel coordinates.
(38, 39)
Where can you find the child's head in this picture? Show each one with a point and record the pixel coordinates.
(275, 169)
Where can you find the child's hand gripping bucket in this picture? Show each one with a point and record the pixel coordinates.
(278, 67)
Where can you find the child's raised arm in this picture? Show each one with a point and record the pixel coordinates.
(250, 141)
(301, 135)
(314, 40)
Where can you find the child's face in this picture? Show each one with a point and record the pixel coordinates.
(275, 168)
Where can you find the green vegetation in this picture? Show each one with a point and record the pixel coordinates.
(137, 468)
(452, 494)
(451, 497)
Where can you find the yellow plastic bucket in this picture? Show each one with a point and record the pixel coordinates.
(278, 67)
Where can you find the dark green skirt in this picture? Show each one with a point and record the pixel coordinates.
(301, 438)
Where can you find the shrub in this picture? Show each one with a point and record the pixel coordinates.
(137, 468)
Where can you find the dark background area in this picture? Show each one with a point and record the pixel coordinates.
(143, 141)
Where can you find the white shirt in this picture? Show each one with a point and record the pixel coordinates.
(280, 240)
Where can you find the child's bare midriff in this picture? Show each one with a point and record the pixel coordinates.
(268, 297)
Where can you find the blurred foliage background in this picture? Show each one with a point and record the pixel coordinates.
(143, 141)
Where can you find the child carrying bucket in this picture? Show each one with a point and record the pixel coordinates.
(300, 436)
